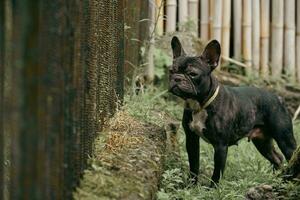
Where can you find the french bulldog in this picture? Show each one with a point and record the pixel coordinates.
(223, 115)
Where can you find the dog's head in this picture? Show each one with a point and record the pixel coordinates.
(190, 75)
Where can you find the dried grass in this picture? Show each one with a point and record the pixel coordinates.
(127, 163)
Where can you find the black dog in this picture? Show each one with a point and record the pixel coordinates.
(222, 115)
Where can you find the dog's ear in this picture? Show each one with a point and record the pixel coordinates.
(176, 47)
(211, 54)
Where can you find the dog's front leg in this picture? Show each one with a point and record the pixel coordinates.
(220, 161)
(192, 146)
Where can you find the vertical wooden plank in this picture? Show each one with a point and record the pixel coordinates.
(24, 171)
(1, 99)
(256, 36)
(264, 37)
(298, 41)
(55, 71)
(277, 37)
(237, 29)
(7, 129)
(77, 91)
(247, 34)
(171, 16)
(226, 27)
(73, 92)
(289, 39)
(204, 20)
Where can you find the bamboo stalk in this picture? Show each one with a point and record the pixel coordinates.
(298, 42)
(211, 18)
(264, 37)
(237, 29)
(204, 27)
(171, 16)
(247, 33)
(277, 38)
(183, 13)
(193, 14)
(226, 27)
(231, 60)
(160, 17)
(289, 39)
(150, 53)
(255, 36)
(217, 20)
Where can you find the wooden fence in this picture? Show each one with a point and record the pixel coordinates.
(61, 75)
(264, 34)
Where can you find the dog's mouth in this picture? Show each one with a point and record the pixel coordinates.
(177, 91)
(171, 89)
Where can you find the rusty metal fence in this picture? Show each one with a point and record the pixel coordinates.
(61, 76)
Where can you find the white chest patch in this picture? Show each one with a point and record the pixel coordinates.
(199, 116)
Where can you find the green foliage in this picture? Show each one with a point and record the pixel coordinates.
(245, 167)
(149, 106)
(161, 60)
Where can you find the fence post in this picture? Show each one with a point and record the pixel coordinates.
(264, 37)
(289, 39)
(277, 37)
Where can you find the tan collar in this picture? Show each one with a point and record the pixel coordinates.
(212, 98)
(196, 107)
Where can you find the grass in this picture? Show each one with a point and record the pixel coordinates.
(245, 167)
